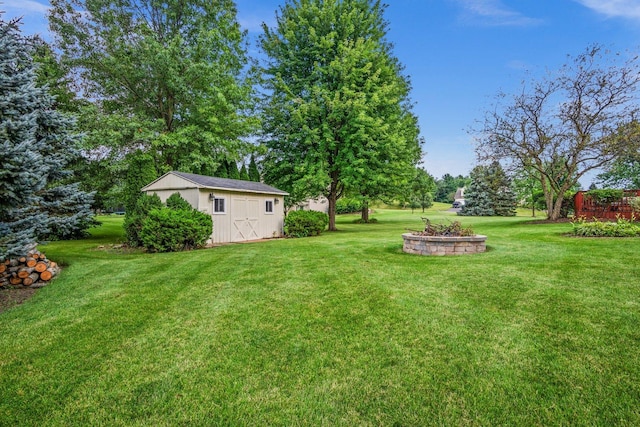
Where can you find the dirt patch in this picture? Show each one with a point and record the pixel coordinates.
(12, 297)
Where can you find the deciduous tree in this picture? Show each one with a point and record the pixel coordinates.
(171, 71)
(622, 173)
(567, 124)
(337, 114)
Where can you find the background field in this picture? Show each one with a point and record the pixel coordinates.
(341, 329)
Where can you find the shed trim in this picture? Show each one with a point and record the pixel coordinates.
(223, 184)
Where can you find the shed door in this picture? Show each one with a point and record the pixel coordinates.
(245, 212)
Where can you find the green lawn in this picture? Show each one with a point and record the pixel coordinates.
(341, 329)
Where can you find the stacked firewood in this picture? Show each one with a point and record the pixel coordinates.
(33, 270)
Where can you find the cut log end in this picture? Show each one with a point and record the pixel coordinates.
(46, 275)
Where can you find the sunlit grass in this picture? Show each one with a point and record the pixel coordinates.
(341, 329)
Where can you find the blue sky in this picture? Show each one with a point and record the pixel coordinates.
(460, 53)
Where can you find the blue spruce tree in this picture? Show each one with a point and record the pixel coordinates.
(490, 193)
(478, 196)
(37, 200)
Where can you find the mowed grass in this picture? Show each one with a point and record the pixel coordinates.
(342, 329)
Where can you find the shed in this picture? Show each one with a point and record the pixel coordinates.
(241, 210)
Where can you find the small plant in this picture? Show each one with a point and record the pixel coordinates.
(453, 229)
(305, 223)
(622, 227)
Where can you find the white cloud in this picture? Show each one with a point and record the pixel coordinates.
(494, 13)
(614, 8)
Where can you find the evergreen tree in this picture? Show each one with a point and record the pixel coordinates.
(140, 173)
(254, 173)
(504, 197)
(223, 169)
(477, 196)
(244, 175)
(233, 170)
(36, 144)
(490, 193)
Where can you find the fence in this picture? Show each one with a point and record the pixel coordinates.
(587, 207)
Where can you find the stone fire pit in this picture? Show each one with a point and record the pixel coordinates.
(443, 245)
(444, 239)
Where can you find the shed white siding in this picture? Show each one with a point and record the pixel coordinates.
(245, 216)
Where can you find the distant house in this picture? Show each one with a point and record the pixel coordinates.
(320, 204)
(458, 199)
(241, 210)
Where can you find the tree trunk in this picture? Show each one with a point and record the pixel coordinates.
(365, 212)
(555, 214)
(333, 198)
(332, 210)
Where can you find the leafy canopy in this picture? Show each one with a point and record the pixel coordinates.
(170, 71)
(336, 109)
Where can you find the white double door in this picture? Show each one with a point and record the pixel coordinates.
(245, 219)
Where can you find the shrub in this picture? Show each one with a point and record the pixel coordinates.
(134, 218)
(176, 202)
(620, 228)
(605, 196)
(170, 230)
(635, 204)
(305, 223)
(347, 205)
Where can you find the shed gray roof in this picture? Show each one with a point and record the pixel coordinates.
(216, 183)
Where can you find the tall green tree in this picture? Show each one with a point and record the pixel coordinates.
(489, 193)
(170, 72)
(37, 143)
(244, 174)
(575, 121)
(337, 115)
(100, 167)
(233, 171)
(422, 188)
(254, 173)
